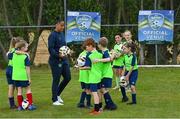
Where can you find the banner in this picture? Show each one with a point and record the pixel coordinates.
(82, 25)
(155, 26)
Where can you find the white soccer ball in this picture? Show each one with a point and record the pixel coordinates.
(65, 50)
(25, 104)
(81, 61)
(123, 81)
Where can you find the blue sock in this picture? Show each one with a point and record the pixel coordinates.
(88, 99)
(108, 99)
(83, 96)
(123, 91)
(134, 97)
(11, 101)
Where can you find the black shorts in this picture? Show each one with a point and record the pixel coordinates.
(85, 85)
(9, 75)
(21, 83)
(106, 83)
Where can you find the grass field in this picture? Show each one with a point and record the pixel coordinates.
(158, 95)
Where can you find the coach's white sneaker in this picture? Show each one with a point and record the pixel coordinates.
(57, 103)
(59, 99)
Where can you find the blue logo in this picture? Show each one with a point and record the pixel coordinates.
(156, 20)
(83, 22)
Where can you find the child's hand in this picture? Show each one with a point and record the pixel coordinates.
(29, 81)
(127, 78)
(96, 60)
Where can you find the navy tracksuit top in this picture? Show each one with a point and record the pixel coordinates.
(55, 41)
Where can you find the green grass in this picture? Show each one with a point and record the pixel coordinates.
(157, 95)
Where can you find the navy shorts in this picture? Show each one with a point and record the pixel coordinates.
(95, 87)
(21, 83)
(9, 75)
(133, 77)
(85, 85)
(118, 67)
(106, 83)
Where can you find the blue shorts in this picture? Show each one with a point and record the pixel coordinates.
(133, 77)
(21, 83)
(85, 85)
(118, 67)
(9, 75)
(106, 83)
(95, 87)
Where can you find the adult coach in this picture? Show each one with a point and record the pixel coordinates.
(59, 64)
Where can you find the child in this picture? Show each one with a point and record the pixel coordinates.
(21, 74)
(95, 74)
(118, 61)
(107, 73)
(128, 36)
(14, 40)
(130, 70)
(83, 78)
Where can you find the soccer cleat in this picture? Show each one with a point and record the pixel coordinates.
(57, 103)
(93, 112)
(60, 99)
(131, 103)
(31, 107)
(20, 108)
(113, 107)
(13, 107)
(80, 105)
(125, 99)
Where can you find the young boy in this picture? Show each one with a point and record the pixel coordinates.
(130, 70)
(107, 74)
(21, 74)
(83, 79)
(95, 74)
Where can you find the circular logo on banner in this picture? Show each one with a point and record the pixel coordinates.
(155, 20)
(83, 22)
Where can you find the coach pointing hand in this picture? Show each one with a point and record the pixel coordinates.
(59, 64)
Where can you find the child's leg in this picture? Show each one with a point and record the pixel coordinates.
(96, 101)
(83, 96)
(19, 96)
(133, 92)
(88, 97)
(100, 98)
(29, 95)
(11, 95)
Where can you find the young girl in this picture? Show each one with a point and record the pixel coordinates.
(130, 70)
(21, 74)
(83, 79)
(14, 40)
(128, 36)
(95, 73)
(107, 75)
(118, 61)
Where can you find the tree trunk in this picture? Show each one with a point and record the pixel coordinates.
(3, 52)
(35, 41)
(141, 49)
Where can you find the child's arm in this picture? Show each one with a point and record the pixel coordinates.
(84, 68)
(21, 53)
(102, 60)
(27, 64)
(28, 73)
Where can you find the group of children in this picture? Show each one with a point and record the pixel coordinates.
(95, 76)
(97, 73)
(18, 73)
